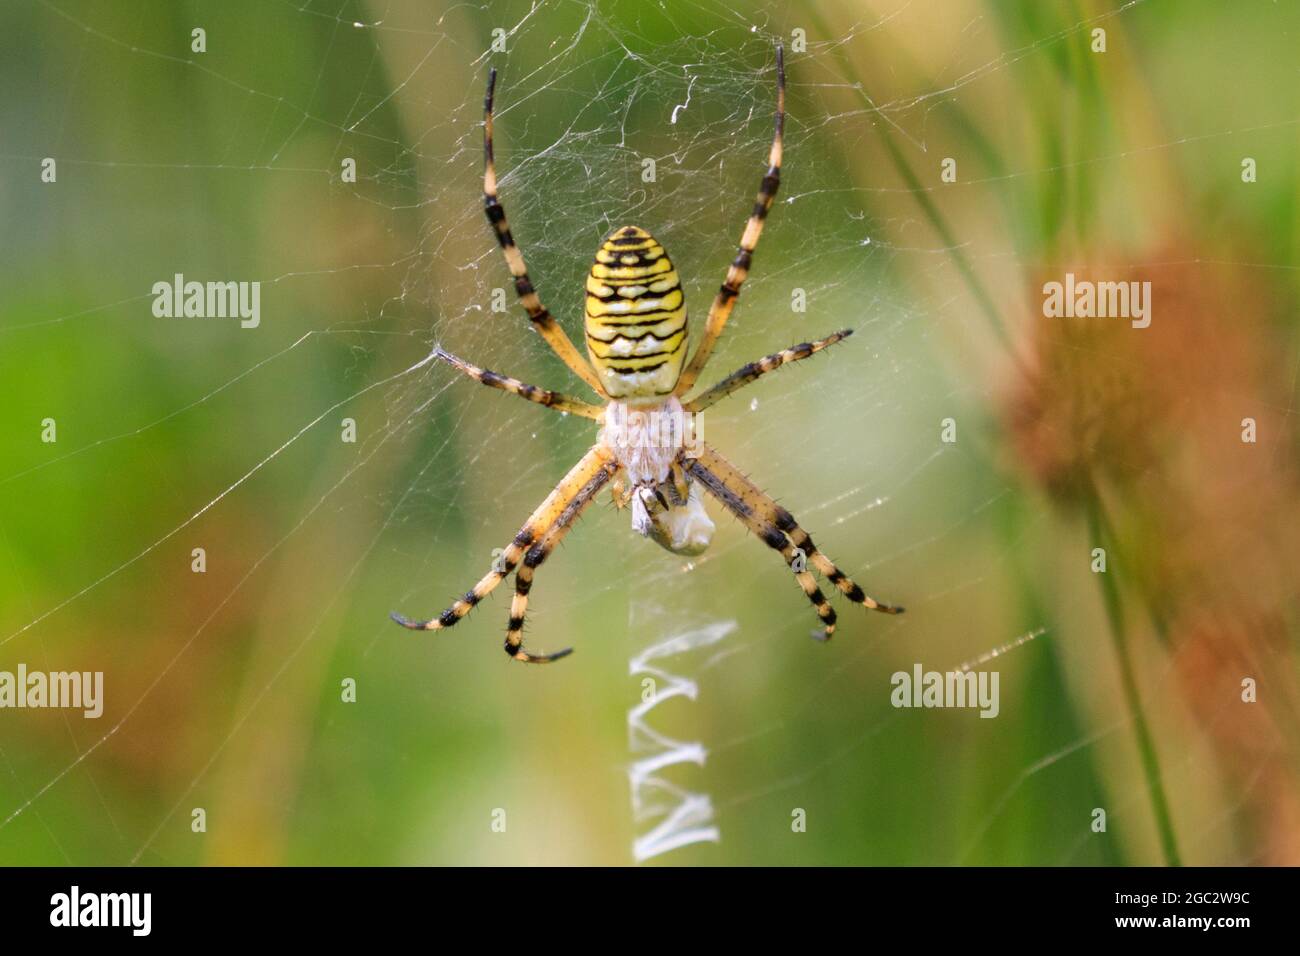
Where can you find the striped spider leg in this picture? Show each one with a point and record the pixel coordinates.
(542, 319)
(538, 553)
(544, 529)
(726, 297)
(542, 396)
(778, 529)
(756, 510)
(754, 370)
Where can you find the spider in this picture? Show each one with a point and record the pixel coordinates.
(650, 449)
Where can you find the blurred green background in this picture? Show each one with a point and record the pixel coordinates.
(223, 689)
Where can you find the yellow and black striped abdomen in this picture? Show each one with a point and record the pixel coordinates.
(636, 317)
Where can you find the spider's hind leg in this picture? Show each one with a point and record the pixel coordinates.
(725, 299)
(538, 314)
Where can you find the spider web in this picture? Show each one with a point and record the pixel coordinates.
(697, 722)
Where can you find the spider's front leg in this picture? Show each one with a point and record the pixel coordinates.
(556, 510)
(538, 553)
(770, 535)
(779, 531)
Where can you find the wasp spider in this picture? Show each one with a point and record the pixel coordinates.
(648, 450)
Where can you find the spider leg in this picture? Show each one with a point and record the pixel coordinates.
(723, 302)
(764, 506)
(556, 400)
(734, 500)
(754, 370)
(596, 461)
(542, 320)
(532, 561)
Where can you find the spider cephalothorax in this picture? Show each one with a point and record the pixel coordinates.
(650, 447)
(652, 443)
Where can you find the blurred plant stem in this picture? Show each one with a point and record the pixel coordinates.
(1099, 530)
